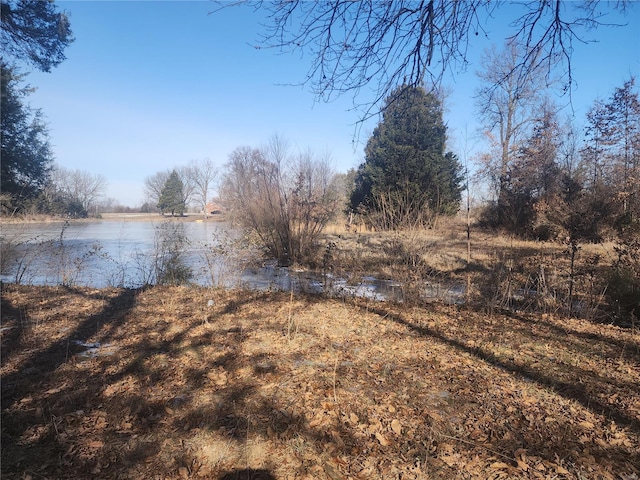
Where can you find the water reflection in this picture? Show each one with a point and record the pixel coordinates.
(132, 254)
(105, 253)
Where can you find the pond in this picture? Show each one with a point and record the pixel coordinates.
(134, 253)
(123, 253)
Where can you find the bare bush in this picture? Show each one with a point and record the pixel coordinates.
(284, 200)
(17, 256)
(400, 210)
(169, 264)
(227, 257)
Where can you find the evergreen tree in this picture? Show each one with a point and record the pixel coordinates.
(34, 32)
(172, 196)
(407, 178)
(26, 153)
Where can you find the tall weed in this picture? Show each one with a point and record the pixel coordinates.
(228, 255)
(169, 265)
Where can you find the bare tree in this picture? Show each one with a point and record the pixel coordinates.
(508, 102)
(568, 150)
(250, 188)
(314, 200)
(597, 143)
(624, 114)
(376, 45)
(153, 186)
(79, 185)
(189, 187)
(202, 175)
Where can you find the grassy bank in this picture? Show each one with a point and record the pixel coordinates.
(200, 383)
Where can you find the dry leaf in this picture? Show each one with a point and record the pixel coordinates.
(375, 426)
(317, 420)
(55, 390)
(331, 473)
(396, 427)
(425, 403)
(522, 464)
(382, 439)
(602, 443)
(451, 460)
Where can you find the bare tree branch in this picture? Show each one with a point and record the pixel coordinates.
(370, 47)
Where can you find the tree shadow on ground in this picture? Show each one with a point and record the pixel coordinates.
(570, 390)
(629, 349)
(247, 474)
(183, 398)
(77, 415)
(43, 362)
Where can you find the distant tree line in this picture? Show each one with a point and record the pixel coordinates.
(174, 190)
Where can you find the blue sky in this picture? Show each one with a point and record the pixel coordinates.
(152, 85)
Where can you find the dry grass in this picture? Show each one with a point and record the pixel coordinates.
(293, 387)
(499, 269)
(31, 218)
(445, 248)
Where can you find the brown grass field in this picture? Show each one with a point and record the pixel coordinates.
(162, 383)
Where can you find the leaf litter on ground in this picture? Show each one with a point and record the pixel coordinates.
(308, 387)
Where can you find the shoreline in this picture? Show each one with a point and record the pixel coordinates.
(121, 217)
(151, 217)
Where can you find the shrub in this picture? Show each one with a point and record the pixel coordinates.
(284, 201)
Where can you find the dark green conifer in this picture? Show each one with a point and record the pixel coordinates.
(407, 178)
(172, 196)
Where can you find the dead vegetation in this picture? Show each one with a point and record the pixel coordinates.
(494, 272)
(174, 382)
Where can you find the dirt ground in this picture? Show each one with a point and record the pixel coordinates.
(177, 382)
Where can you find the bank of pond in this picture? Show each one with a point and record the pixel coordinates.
(135, 253)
